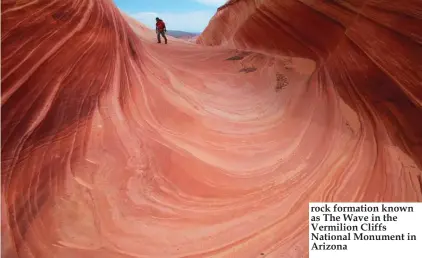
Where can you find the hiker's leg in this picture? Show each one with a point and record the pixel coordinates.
(164, 36)
(159, 37)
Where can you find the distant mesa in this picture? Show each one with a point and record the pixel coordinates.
(182, 34)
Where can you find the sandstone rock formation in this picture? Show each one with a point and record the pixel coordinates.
(114, 146)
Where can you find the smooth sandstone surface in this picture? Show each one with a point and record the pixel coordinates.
(114, 146)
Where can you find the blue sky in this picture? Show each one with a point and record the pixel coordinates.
(185, 15)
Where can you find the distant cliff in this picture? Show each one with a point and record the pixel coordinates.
(182, 34)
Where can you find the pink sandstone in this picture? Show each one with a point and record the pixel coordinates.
(114, 146)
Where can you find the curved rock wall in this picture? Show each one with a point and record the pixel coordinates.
(370, 49)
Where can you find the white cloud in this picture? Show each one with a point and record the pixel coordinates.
(195, 21)
(216, 3)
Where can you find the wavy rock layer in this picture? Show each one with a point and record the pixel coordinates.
(114, 146)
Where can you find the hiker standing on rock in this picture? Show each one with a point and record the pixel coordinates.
(160, 29)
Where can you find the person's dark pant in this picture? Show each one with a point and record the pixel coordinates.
(159, 34)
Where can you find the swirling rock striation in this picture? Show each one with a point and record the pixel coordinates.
(351, 41)
(114, 146)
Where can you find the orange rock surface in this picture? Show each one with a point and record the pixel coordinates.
(114, 146)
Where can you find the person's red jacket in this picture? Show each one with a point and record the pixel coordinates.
(160, 25)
